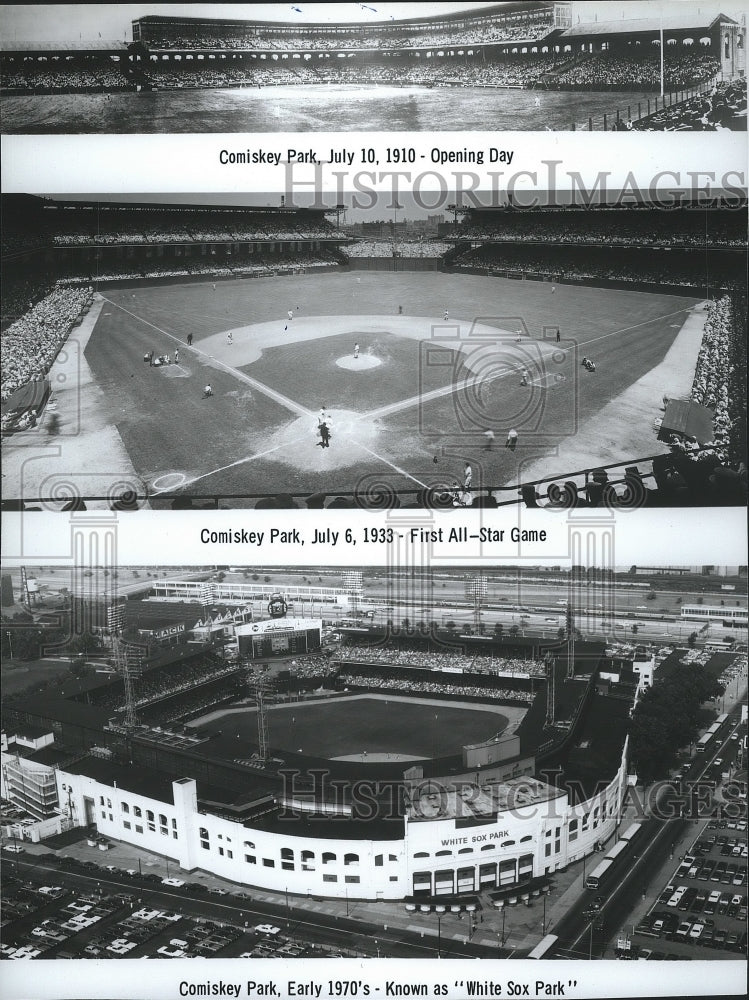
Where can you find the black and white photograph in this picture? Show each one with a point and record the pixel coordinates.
(283, 762)
(373, 581)
(211, 351)
(294, 68)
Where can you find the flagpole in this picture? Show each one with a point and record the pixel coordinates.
(662, 72)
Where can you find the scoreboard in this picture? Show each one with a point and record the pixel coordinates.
(279, 637)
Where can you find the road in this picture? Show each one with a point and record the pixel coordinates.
(576, 931)
(337, 932)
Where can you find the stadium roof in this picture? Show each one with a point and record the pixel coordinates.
(646, 25)
(520, 6)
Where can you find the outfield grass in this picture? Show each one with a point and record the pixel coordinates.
(343, 727)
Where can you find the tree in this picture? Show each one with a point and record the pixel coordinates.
(692, 640)
(635, 629)
(651, 595)
(514, 630)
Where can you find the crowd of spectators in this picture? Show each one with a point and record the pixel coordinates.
(400, 248)
(719, 381)
(485, 31)
(188, 705)
(723, 108)
(220, 266)
(679, 227)
(239, 61)
(31, 343)
(399, 656)
(59, 76)
(408, 685)
(21, 291)
(684, 271)
(638, 71)
(157, 684)
(312, 666)
(111, 226)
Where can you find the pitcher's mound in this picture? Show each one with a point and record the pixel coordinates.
(359, 364)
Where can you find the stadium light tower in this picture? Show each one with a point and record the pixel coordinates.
(475, 590)
(122, 665)
(352, 584)
(551, 663)
(569, 622)
(455, 208)
(258, 684)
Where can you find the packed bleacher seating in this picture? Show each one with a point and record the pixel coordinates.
(723, 108)
(21, 293)
(399, 248)
(63, 74)
(312, 666)
(677, 227)
(612, 71)
(535, 22)
(720, 378)
(109, 225)
(237, 264)
(155, 685)
(391, 655)
(407, 685)
(32, 342)
(667, 269)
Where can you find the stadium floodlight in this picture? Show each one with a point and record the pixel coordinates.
(353, 581)
(475, 590)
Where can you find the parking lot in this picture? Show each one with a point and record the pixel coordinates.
(55, 922)
(702, 911)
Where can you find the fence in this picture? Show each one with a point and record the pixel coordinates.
(622, 118)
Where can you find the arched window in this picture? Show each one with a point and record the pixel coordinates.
(328, 858)
(351, 859)
(443, 854)
(287, 854)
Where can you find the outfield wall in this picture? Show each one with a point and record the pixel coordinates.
(396, 264)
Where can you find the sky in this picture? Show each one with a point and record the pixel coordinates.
(112, 22)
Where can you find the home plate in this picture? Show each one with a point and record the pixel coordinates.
(362, 363)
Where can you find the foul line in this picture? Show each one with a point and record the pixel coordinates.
(223, 468)
(278, 397)
(386, 461)
(449, 390)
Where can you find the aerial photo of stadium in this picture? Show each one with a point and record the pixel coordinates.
(352, 67)
(168, 353)
(441, 752)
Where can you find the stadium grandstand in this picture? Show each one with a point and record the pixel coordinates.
(63, 260)
(535, 45)
(457, 737)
